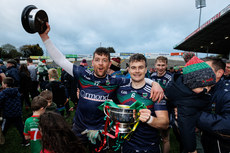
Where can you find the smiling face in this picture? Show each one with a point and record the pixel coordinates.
(161, 67)
(137, 70)
(101, 65)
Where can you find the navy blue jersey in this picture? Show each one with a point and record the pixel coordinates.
(144, 137)
(163, 80)
(93, 92)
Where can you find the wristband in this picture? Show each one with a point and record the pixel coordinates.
(150, 120)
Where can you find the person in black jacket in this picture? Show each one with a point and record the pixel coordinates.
(12, 108)
(58, 90)
(71, 86)
(215, 124)
(25, 84)
(12, 71)
(189, 93)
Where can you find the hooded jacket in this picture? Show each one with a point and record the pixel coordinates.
(13, 72)
(189, 106)
(218, 121)
(11, 103)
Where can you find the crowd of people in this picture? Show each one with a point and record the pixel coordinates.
(194, 102)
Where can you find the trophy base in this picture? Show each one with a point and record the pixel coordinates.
(123, 127)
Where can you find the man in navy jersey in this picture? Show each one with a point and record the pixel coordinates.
(146, 137)
(162, 77)
(95, 87)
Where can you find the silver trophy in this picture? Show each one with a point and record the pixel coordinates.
(34, 19)
(123, 116)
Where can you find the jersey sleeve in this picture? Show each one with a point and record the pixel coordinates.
(218, 123)
(122, 81)
(78, 71)
(160, 106)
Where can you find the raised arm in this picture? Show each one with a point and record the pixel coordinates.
(55, 54)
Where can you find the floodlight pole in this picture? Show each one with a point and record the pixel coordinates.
(199, 17)
(199, 5)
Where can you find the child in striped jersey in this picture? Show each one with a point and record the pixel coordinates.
(31, 131)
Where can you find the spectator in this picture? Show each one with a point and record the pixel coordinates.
(25, 85)
(48, 95)
(187, 56)
(84, 63)
(58, 90)
(12, 108)
(215, 123)
(227, 70)
(18, 62)
(114, 69)
(2, 76)
(71, 85)
(42, 72)
(12, 71)
(31, 130)
(33, 74)
(189, 93)
(57, 136)
(2, 66)
(171, 70)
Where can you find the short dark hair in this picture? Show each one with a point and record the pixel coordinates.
(9, 82)
(102, 51)
(38, 102)
(217, 63)
(29, 60)
(137, 57)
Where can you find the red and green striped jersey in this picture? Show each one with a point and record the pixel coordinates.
(31, 129)
(93, 92)
(144, 137)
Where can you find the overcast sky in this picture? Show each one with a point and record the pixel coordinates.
(80, 26)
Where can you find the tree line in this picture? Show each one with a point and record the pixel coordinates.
(8, 51)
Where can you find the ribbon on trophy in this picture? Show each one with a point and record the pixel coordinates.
(117, 117)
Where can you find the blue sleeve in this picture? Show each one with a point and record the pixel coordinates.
(77, 71)
(160, 106)
(217, 123)
(122, 81)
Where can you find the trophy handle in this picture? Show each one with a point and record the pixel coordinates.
(105, 111)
